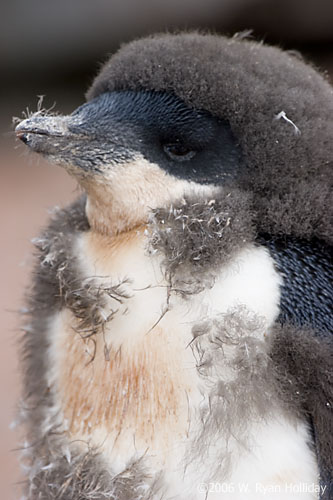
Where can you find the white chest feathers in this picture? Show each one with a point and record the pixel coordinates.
(178, 381)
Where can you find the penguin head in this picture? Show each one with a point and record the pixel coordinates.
(172, 116)
(134, 151)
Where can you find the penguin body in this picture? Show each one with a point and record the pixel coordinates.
(160, 392)
(156, 365)
(141, 388)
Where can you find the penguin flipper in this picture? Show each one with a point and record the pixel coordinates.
(304, 364)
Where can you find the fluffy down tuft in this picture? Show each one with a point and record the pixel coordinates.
(58, 470)
(304, 368)
(279, 108)
(196, 236)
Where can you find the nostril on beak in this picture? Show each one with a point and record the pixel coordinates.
(22, 136)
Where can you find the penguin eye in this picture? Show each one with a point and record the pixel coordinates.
(178, 151)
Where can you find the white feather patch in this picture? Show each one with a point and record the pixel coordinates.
(134, 389)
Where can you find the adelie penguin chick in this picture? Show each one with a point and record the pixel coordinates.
(179, 342)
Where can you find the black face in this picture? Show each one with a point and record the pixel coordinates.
(187, 143)
(121, 127)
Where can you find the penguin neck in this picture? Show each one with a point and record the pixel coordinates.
(124, 197)
(109, 216)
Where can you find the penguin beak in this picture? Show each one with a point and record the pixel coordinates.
(72, 142)
(50, 135)
(42, 133)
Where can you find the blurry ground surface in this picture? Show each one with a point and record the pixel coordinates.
(28, 188)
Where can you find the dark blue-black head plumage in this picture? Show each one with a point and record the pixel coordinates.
(187, 143)
(119, 127)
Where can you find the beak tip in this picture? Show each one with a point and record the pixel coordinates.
(22, 130)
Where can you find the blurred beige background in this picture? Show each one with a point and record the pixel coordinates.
(54, 49)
